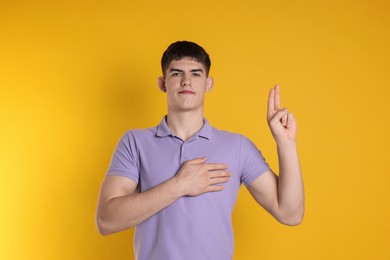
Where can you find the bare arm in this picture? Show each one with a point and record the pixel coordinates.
(282, 196)
(121, 206)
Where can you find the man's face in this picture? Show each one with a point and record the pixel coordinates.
(185, 83)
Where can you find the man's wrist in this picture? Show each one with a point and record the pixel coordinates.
(175, 187)
(287, 145)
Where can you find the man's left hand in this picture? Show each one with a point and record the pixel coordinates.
(281, 122)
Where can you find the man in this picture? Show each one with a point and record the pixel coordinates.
(178, 182)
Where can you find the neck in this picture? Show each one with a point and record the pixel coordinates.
(185, 124)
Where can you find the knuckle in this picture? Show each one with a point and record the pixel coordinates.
(203, 168)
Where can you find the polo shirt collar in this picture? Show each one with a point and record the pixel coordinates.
(163, 129)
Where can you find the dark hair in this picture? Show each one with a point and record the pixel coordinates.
(184, 49)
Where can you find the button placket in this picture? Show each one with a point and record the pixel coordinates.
(184, 150)
(183, 157)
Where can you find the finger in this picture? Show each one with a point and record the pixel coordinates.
(290, 119)
(217, 174)
(278, 116)
(284, 120)
(218, 180)
(271, 103)
(214, 188)
(196, 160)
(277, 97)
(216, 166)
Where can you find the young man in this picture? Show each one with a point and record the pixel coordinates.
(178, 182)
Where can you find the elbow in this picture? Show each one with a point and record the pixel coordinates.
(292, 219)
(103, 232)
(108, 227)
(103, 227)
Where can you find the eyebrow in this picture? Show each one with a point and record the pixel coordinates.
(194, 70)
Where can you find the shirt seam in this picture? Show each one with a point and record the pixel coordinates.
(118, 173)
(239, 159)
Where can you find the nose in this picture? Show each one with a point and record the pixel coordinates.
(186, 80)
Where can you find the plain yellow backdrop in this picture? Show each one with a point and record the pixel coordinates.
(74, 75)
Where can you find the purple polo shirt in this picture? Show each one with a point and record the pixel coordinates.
(191, 228)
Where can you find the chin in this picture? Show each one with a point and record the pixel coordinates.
(186, 108)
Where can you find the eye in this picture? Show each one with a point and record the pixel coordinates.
(196, 74)
(176, 74)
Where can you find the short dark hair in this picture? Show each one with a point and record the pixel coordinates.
(185, 49)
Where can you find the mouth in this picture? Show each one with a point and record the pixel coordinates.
(186, 92)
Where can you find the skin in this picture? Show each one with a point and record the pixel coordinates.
(282, 196)
(185, 83)
(185, 111)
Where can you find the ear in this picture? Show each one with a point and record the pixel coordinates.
(210, 84)
(161, 84)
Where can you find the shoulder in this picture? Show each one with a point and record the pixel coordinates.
(239, 140)
(136, 137)
(139, 133)
(227, 136)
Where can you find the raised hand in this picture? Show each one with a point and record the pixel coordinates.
(282, 123)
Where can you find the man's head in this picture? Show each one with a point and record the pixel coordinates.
(185, 50)
(185, 68)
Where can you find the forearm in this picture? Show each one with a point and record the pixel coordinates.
(123, 212)
(121, 207)
(290, 184)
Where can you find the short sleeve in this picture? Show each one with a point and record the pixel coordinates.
(252, 162)
(125, 159)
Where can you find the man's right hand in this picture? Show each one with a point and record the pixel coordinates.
(196, 177)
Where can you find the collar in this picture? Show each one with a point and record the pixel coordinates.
(163, 129)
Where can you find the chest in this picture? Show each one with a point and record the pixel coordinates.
(161, 160)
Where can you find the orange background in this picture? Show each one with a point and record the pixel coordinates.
(75, 75)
